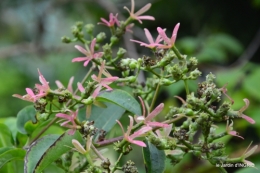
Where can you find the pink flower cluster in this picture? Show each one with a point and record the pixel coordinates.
(148, 124)
(41, 90)
(168, 42)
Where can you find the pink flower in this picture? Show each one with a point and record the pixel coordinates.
(80, 148)
(112, 20)
(89, 53)
(60, 85)
(80, 87)
(169, 41)
(130, 138)
(148, 119)
(137, 15)
(40, 90)
(224, 90)
(129, 27)
(230, 131)
(165, 132)
(248, 154)
(69, 118)
(247, 118)
(149, 37)
(102, 82)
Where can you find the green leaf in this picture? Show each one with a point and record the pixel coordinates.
(62, 145)
(26, 116)
(5, 136)
(251, 84)
(10, 155)
(122, 99)
(36, 151)
(104, 118)
(154, 158)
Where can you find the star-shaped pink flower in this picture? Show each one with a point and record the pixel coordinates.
(69, 118)
(138, 133)
(247, 118)
(102, 82)
(147, 120)
(169, 41)
(60, 85)
(152, 44)
(41, 90)
(230, 131)
(112, 20)
(137, 16)
(90, 53)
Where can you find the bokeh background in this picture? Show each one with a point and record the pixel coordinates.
(223, 35)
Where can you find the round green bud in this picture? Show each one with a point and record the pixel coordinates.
(101, 37)
(189, 112)
(166, 82)
(114, 39)
(121, 52)
(65, 39)
(89, 28)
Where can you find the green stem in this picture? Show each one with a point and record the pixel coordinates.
(153, 72)
(177, 53)
(117, 162)
(155, 96)
(186, 87)
(97, 153)
(89, 159)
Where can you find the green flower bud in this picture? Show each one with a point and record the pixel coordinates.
(194, 74)
(89, 28)
(79, 25)
(125, 73)
(65, 39)
(87, 101)
(197, 153)
(101, 37)
(189, 112)
(121, 52)
(75, 31)
(166, 82)
(133, 64)
(113, 39)
(42, 116)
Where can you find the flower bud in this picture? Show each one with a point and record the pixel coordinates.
(79, 25)
(65, 39)
(133, 64)
(121, 52)
(113, 39)
(101, 37)
(166, 82)
(125, 73)
(89, 28)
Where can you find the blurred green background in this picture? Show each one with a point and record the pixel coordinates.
(223, 35)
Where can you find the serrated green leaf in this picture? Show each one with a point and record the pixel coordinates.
(24, 116)
(10, 155)
(154, 158)
(62, 145)
(5, 136)
(122, 99)
(104, 118)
